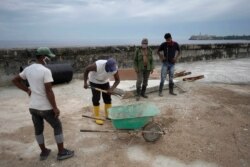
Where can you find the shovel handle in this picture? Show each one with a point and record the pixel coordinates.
(105, 91)
(98, 89)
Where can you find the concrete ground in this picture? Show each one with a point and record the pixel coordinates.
(209, 125)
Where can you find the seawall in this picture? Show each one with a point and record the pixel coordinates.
(79, 57)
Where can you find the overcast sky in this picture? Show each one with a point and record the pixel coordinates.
(121, 20)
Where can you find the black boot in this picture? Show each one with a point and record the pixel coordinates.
(171, 89)
(160, 89)
(143, 90)
(138, 92)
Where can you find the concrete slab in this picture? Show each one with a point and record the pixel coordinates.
(130, 86)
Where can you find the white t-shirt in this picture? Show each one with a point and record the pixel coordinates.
(37, 75)
(100, 76)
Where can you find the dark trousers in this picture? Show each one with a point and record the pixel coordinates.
(142, 78)
(97, 94)
(38, 118)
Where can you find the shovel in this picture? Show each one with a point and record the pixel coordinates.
(123, 95)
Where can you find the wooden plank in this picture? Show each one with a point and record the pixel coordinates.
(181, 74)
(193, 78)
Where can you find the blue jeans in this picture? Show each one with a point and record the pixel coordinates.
(166, 68)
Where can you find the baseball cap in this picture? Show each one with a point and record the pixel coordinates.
(144, 41)
(44, 51)
(111, 65)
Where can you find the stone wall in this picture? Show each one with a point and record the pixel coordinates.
(192, 53)
(12, 59)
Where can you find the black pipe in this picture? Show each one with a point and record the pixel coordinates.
(61, 73)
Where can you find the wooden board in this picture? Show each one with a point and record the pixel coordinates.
(193, 78)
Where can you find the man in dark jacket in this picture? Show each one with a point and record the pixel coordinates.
(171, 52)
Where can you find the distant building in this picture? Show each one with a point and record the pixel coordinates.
(202, 37)
(214, 37)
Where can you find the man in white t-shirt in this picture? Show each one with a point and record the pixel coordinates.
(42, 104)
(99, 74)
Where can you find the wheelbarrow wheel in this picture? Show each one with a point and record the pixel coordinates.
(153, 132)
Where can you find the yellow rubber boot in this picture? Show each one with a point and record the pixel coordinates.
(97, 114)
(106, 107)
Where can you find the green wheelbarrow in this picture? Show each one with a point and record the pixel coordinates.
(134, 119)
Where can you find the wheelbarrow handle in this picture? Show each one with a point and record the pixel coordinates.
(148, 131)
(86, 116)
(122, 131)
(105, 131)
